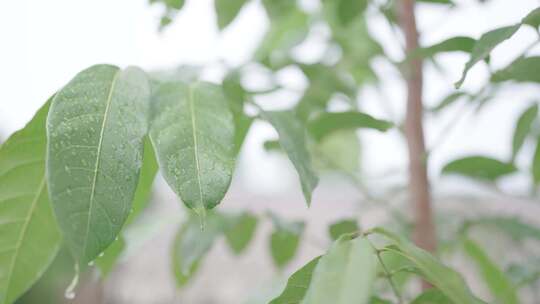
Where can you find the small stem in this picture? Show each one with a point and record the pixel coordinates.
(388, 274)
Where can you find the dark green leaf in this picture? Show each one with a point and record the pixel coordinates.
(523, 128)
(444, 278)
(521, 70)
(191, 245)
(193, 135)
(96, 126)
(330, 122)
(348, 10)
(227, 10)
(293, 140)
(432, 296)
(533, 18)
(495, 279)
(240, 231)
(29, 235)
(297, 285)
(484, 46)
(480, 167)
(342, 227)
(345, 274)
(284, 240)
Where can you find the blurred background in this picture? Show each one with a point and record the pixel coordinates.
(45, 43)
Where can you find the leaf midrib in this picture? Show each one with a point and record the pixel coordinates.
(23, 233)
(195, 145)
(98, 158)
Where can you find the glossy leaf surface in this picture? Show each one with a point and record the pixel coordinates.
(29, 235)
(95, 129)
(193, 135)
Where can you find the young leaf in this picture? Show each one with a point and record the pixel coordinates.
(227, 10)
(484, 46)
(523, 128)
(345, 274)
(480, 167)
(536, 164)
(293, 140)
(29, 235)
(297, 285)
(327, 123)
(240, 231)
(193, 135)
(499, 285)
(342, 227)
(191, 245)
(95, 129)
(432, 296)
(348, 10)
(444, 278)
(521, 70)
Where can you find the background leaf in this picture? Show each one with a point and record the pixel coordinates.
(227, 10)
(293, 140)
(495, 279)
(521, 70)
(536, 164)
(193, 136)
(284, 240)
(431, 296)
(26, 218)
(342, 227)
(523, 128)
(484, 46)
(95, 129)
(240, 231)
(327, 123)
(345, 274)
(480, 167)
(348, 10)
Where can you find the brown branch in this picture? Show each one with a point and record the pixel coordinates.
(424, 230)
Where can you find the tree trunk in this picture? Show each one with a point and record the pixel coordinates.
(424, 230)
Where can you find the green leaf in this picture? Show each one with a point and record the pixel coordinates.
(278, 8)
(297, 285)
(227, 10)
(327, 123)
(521, 70)
(479, 167)
(236, 96)
(447, 101)
(240, 231)
(348, 10)
(191, 245)
(446, 2)
(444, 278)
(523, 128)
(495, 279)
(432, 296)
(342, 227)
(484, 46)
(149, 168)
(345, 274)
(193, 135)
(95, 129)
(107, 261)
(29, 236)
(536, 163)
(293, 140)
(454, 44)
(533, 18)
(284, 240)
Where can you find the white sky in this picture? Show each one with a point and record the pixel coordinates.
(45, 43)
